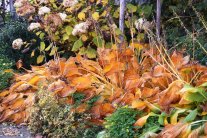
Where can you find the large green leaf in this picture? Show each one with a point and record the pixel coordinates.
(69, 30)
(78, 44)
(98, 41)
(91, 53)
(190, 117)
(194, 94)
(131, 8)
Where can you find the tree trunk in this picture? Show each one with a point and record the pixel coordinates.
(122, 15)
(140, 2)
(3, 6)
(158, 20)
(121, 20)
(12, 9)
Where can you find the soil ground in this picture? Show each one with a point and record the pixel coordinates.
(12, 131)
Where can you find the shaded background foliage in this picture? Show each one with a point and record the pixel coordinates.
(174, 14)
(11, 30)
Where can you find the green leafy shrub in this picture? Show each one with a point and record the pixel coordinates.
(57, 120)
(5, 77)
(120, 123)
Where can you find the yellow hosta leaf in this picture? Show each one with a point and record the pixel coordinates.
(142, 121)
(95, 16)
(4, 93)
(138, 104)
(34, 80)
(174, 117)
(81, 16)
(17, 104)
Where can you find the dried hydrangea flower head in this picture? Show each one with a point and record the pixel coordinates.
(81, 28)
(43, 10)
(25, 10)
(69, 3)
(20, 3)
(143, 24)
(62, 16)
(17, 43)
(33, 26)
(53, 21)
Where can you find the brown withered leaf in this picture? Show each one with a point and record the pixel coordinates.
(148, 92)
(66, 91)
(178, 60)
(82, 83)
(172, 131)
(106, 108)
(17, 104)
(56, 86)
(6, 114)
(10, 98)
(171, 94)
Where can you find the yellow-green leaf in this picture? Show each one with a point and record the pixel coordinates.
(98, 41)
(48, 48)
(40, 59)
(65, 37)
(91, 53)
(131, 8)
(42, 35)
(78, 44)
(53, 51)
(95, 16)
(81, 16)
(68, 30)
(42, 46)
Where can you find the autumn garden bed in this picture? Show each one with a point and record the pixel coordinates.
(78, 75)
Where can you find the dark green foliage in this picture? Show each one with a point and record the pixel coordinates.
(92, 101)
(78, 97)
(11, 31)
(120, 123)
(183, 26)
(92, 131)
(5, 77)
